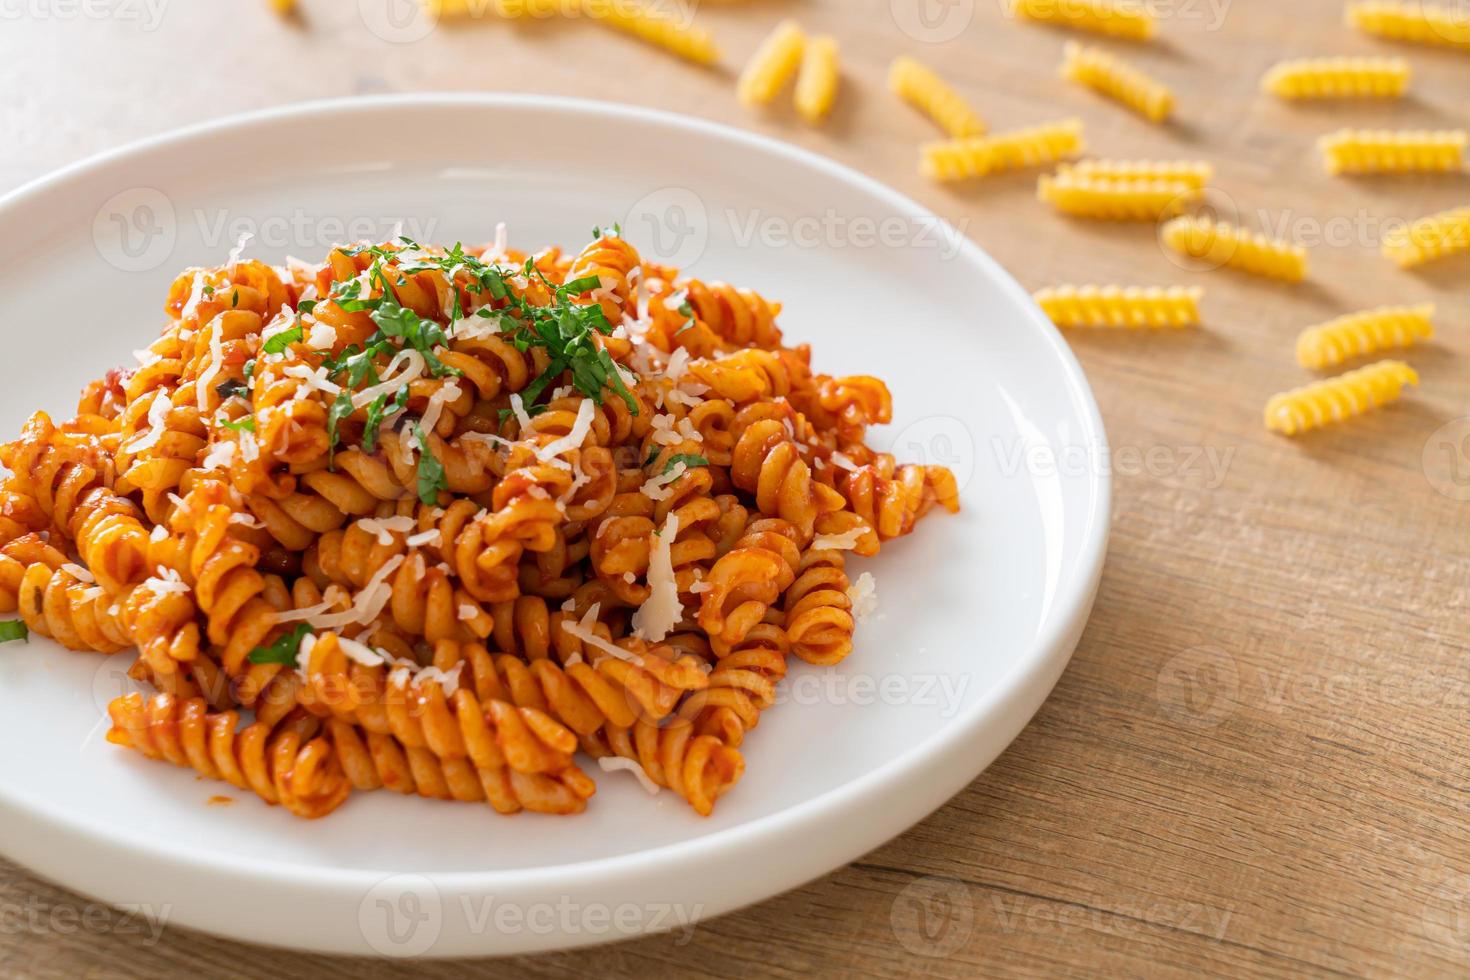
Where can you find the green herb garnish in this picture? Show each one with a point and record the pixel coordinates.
(14, 629)
(246, 422)
(284, 650)
(431, 471)
(230, 388)
(278, 342)
(688, 459)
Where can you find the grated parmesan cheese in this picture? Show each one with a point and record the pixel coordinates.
(239, 249)
(583, 631)
(661, 612)
(616, 763)
(219, 455)
(429, 537)
(158, 533)
(79, 573)
(846, 541)
(467, 612)
(318, 380)
(574, 438)
(196, 296)
(361, 652)
(158, 411)
(864, 595)
(654, 487)
(206, 377)
(166, 580)
(366, 605)
(842, 460)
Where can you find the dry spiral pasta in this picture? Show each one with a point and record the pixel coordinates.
(1364, 151)
(1114, 306)
(1222, 244)
(978, 156)
(1338, 78)
(1115, 199)
(445, 520)
(1419, 23)
(927, 92)
(1331, 343)
(1125, 20)
(772, 65)
(1335, 399)
(1118, 80)
(1429, 238)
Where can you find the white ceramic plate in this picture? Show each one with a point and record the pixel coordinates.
(978, 613)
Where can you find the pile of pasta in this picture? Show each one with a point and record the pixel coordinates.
(438, 520)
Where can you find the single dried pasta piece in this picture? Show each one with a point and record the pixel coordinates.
(1116, 306)
(656, 27)
(1118, 80)
(1432, 237)
(1338, 78)
(1420, 23)
(1127, 20)
(1112, 199)
(1331, 343)
(1195, 173)
(1334, 399)
(982, 155)
(816, 82)
(1220, 243)
(927, 92)
(283, 7)
(773, 63)
(1366, 151)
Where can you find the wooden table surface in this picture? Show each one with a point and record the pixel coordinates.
(1257, 760)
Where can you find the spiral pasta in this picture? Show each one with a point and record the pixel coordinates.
(1419, 23)
(442, 519)
(1331, 343)
(982, 155)
(1118, 80)
(1338, 78)
(772, 65)
(1113, 199)
(1222, 244)
(818, 78)
(1125, 20)
(1195, 173)
(927, 92)
(1426, 239)
(1335, 399)
(1114, 306)
(655, 27)
(1363, 151)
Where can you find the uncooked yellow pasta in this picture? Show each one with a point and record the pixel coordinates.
(283, 6)
(1219, 243)
(1338, 78)
(1432, 237)
(1367, 151)
(1113, 199)
(654, 26)
(773, 63)
(1195, 173)
(981, 155)
(1330, 344)
(1128, 307)
(1118, 80)
(816, 82)
(1127, 20)
(1419, 23)
(927, 92)
(1335, 399)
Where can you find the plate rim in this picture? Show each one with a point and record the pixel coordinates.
(1066, 617)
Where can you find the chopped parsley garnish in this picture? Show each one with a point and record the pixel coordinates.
(653, 452)
(246, 422)
(207, 292)
(284, 650)
(597, 230)
(278, 342)
(14, 629)
(341, 408)
(234, 298)
(431, 471)
(249, 369)
(688, 459)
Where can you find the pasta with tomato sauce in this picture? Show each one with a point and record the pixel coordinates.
(451, 521)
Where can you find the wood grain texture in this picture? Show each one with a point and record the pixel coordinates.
(1256, 762)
